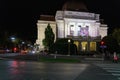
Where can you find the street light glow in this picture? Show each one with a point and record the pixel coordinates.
(23, 42)
(69, 47)
(69, 40)
(12, 38)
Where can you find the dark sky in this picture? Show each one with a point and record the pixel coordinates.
(20, 16)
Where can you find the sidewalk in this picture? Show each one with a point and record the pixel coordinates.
(97, 60)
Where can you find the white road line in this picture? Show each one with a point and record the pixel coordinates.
(115, 74)
(115, 71)
(108, 65)
(111, 68)
(117, 66)
(119, 78)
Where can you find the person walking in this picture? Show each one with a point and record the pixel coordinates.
(115, 57)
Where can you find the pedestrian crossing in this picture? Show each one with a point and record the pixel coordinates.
(114, 69)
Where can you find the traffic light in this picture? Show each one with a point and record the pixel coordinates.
(102, 43)
(14, 49)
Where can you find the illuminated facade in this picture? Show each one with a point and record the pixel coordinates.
(83, 27)
(41, 25)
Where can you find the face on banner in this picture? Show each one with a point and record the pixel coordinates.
(84, 31)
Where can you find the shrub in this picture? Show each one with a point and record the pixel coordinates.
(62, 47)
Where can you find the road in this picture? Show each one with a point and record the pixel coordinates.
(31, 70)
(112, 68)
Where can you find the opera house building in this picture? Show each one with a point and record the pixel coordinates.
(74, 21)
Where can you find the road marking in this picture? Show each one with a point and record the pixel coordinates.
(119, 78)
(113, 71)
(116, 74)
(106, 74)
(108, 65)
(111, 68)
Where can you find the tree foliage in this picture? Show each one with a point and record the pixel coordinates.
(48, 41)
(62, 45)
(111, 43)
(116, 34)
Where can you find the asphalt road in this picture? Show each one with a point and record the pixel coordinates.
(31, 70)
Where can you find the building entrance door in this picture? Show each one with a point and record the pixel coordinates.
(84, 46)
(92, 46)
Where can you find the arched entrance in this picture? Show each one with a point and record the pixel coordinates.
(92, 46)
(84, 46)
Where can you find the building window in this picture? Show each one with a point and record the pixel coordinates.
(79, 30)
(71, 30)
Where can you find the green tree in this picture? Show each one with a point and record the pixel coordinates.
(61, 46)
(48, 41)
(116, 34)
(111, 43)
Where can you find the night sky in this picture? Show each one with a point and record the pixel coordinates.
(20, 16)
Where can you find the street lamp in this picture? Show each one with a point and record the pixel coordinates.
(69, 47)
(13, 40)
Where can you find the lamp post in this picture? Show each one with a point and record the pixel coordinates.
(69, 47)
(13, 39)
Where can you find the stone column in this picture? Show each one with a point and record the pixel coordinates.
(66, 31)
(75, 30)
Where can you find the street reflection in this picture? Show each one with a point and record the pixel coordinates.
(16, 67)
(16, 64)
